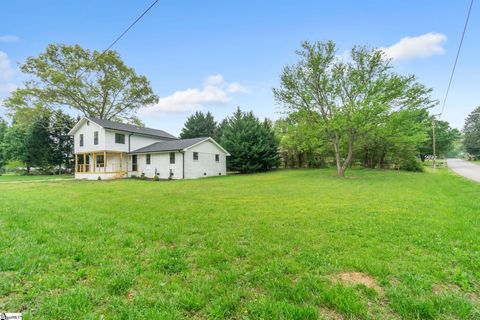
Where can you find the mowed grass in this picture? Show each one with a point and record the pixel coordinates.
(264, 246)
(17, 177)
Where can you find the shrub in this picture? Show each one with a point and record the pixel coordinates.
(156, 178)
(133, 176)
(142, 176)
(412, 164)
(99, 178)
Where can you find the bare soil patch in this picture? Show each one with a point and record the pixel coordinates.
(356, 278)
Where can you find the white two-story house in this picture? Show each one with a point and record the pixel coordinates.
(108, 150)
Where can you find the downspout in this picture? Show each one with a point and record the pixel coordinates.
(129, 151)
(183, 164)
(131, 134)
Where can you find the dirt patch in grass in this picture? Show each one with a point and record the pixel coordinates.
(440, 288)
(356, 278)
(330, 314)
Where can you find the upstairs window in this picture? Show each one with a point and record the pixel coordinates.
(147, 158)
(172, 157)
(119, 138)
(81, 139)
(217, 158)
(95, 137)
(195, 156)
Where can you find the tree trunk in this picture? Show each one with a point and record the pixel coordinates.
(340, 172)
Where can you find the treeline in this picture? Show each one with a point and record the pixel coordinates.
(251, 142)
(471, 135)
(37, 138)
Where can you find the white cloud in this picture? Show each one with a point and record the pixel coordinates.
(9, 38)
(422, 46)
(215, 91)
(7, 73)
(235, 87)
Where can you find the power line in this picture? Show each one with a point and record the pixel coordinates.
(130, 27)
(456, 58)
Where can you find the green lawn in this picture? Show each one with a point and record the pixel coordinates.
(298, 244)
(18, 177)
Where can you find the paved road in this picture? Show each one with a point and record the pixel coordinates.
(464, 168)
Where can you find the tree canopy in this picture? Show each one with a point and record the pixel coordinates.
(199, 125)
(348, 98)
(96, 84)
(251, 143)
(471, 133)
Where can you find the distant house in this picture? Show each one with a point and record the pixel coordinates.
(109, 150)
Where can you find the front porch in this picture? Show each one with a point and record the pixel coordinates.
(103, 164)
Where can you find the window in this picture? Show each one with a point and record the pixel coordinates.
(172, 157)
(100, 161)
(95, 137)
(195, 156)
(134, 163)
(147, 158)
(119, 138)
(81, 140)
(217, 158)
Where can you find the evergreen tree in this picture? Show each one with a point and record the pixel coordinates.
(3, 132)
(252, 143)
(471, 133)
(199, 125)
(62, 147)
(37, 148)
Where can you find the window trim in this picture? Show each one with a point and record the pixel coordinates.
(81, 140)
(120, 141)
(148, 159)
(95, 137)
(172, 157)
(195, 156)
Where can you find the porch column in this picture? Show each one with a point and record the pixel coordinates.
(94, 161)
(84, 162)
(121, 160)
(104, 161)
(76, 162)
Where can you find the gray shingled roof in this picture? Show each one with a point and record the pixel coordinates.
(107, 124)
(171, 145)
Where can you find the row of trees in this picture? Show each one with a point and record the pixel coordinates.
(351, 109)
(356, 110)
(37, 139)
(471, 131)
(252, 143)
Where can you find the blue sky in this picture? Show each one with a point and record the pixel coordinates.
(217, 55)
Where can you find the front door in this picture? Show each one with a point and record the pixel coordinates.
(134, 162)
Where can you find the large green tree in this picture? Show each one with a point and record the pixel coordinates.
(96, 84)
(62, 143)
(351, 96)
(471, 133)
(445, 137)
(199, 125)
(252, 143)
(3, 132)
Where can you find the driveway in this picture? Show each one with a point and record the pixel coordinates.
(464, 168)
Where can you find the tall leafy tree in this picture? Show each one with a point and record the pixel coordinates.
(471, 133)
(252, 144)
(94, 83)
(351, 96)
(199, 125)
(445, 137)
